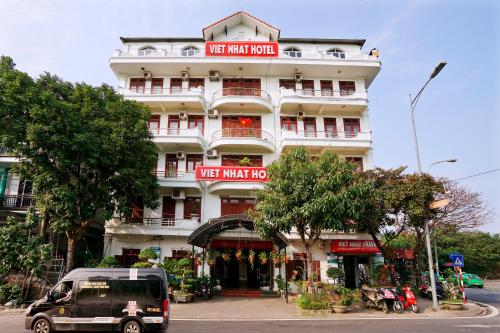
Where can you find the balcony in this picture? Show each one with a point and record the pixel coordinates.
(317, 141)
(175, 138)
(168, 98)
(234, 188)
(322, 102)
(151, 226)
(240, 139)
(177, 179)
(17, 202)
(6, 160)
(246, 99)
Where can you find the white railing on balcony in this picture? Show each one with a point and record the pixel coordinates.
(242, 92)
(324, 93)
(240, 132)
(160, 91)
(165, 221)
(325, 135)
(175, 174)
(177, 132)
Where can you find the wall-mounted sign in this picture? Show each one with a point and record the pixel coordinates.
(241, 49)
(231, 174)
(353, 246)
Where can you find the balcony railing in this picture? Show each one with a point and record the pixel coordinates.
(160, 91)
(165, 221)
(242, 133)
(174, 174)
(327, 93)
(197, 131)
(17, 201)
(326, 134)
(243, 92)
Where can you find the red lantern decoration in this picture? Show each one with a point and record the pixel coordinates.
(245, 122)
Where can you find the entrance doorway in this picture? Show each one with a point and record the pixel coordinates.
(236, 274)
(356, 270)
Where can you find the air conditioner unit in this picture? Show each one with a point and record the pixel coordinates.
(298, 77)
(213, 114)
(300, 115)
(178, 195)
(148, 75)
(183, 115)
(180, 155)
(214, 76)
(212, 154)
(185, 75)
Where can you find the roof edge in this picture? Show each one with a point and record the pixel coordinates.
(161, 39)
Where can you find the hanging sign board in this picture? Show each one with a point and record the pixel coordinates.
(230, 174)
(241, 49)
(353, 246)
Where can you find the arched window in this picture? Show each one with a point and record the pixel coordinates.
(146, 50)
(337, 53)
(293, 52)
(190, 51)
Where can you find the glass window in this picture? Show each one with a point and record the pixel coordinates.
(192, 205)
(190, 51)
(90, 291)
(337, 53)
(293, 52)
(62, 293)
(347, 88)
(146, 50)
(138, 289)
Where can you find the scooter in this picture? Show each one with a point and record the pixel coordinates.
(426, 290)
(408, 299)
(381, 298)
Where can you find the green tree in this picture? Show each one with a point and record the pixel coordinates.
(87, 150)
(309, 196)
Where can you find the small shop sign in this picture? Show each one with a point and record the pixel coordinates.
(353, 246)
(231, 174)
(241, 49)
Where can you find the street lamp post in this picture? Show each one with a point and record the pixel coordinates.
(451, 160)
(413, 104)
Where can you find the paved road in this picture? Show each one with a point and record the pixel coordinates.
(491, 297)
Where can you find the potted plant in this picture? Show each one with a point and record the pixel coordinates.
(335, 273)
(263, 258)
(183, 274)
(453, 296)
(280, 283)
(347, 298)
(226, 256)
(245, 161)
(239, 255)
(251, 258)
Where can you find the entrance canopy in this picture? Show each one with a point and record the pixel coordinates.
(204, 233)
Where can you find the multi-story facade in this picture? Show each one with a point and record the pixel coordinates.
(240, 95)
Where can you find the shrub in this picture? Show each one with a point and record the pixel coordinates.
(142, 264)
(109, 262)
(335, 273)
(280, 282)
(147, 254)
(9, 292)
(348, 297)
(313, 302)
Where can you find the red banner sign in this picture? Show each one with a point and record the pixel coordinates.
(231, 174)
(241, 49)
(353, 246)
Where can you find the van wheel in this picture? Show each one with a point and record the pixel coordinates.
(42, 326)
(132, 327)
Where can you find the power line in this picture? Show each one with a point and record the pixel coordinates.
(477, 174)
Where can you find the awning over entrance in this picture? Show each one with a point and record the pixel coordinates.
(204, 234)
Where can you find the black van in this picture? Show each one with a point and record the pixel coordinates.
(131, 300)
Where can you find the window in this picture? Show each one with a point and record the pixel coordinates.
(91, 291)
(337, 53)
(156, 86)
(173, 125)
(154, 124)
(241, 87)
(138, 289)
(326, 87)
(196, 121)
(287, 84)
(310, 126)
(62, 293)
(351, 127)
(357, 161)
(192, 206)
(192, 160)
(170, 166)
(293, 52)
(289, 123)
(137, 85)
(196, 83)
(308, 87)
(178, 254)
(175, 85)
(234, 160)
(190, 51)
(230, 206)
(168, 208)
(244, 126)
(330, 127)
(129, 257)
(146, 50)
(347, 88)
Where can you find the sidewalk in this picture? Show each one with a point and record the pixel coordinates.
(277, 308)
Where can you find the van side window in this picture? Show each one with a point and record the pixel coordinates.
(138, 289)
(90, 291)
(62, 293)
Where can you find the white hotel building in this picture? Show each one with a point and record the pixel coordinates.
(240, 95)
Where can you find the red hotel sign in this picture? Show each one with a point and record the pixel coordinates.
(241, 49)
(353, 246)
(231, 174)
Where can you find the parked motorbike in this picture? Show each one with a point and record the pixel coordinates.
(426, 290)
(407, 298)
(381, 298)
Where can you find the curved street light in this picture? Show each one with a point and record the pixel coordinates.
(451, 160)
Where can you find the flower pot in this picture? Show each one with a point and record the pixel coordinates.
(182, 298)
(452, 306)
(340, 309)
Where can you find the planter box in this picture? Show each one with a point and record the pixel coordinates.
(341, 309)
(184, 298)
(324, 312)
(452, 306)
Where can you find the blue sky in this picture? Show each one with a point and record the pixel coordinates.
(457, 117)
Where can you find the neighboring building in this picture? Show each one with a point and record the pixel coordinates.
(241, 95)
